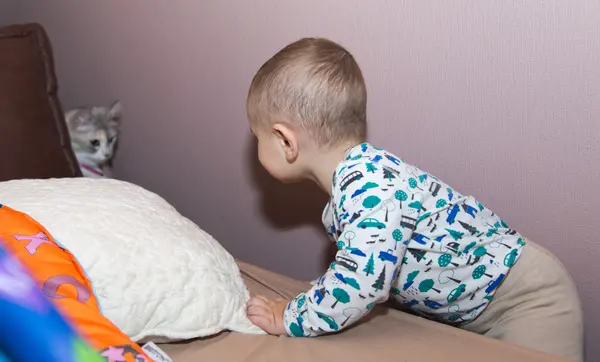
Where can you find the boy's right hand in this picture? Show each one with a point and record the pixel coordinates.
(267, 314)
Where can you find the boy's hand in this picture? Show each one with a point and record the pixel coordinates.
(267, 314)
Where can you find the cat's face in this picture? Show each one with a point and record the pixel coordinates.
(94, 131)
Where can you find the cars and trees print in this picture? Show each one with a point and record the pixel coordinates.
(370, 267)
(371, 223)
(380, 282)
(447, 276)
(397, 235)
(340, 295)
(403, 232)
(410, 279)
(351, 313)
(371, 201)
(427, 285)
(480, 272)
(388, 256)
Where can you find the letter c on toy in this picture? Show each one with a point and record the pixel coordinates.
(52, 284)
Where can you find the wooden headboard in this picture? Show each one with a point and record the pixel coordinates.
(34, 141)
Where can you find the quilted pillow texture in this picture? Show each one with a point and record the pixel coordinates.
(156, 274)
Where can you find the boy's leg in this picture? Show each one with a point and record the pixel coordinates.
(536, 307)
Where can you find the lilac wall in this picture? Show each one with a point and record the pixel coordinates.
(500, 99)
(7, 11)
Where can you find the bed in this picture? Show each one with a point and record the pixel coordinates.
(388, 335)
(30, 113)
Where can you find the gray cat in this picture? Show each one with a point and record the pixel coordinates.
(94, 131)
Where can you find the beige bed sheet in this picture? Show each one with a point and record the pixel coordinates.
(387, 335)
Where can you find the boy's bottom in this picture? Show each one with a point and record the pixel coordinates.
(536, 307)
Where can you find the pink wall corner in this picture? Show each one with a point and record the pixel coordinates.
(499, 99)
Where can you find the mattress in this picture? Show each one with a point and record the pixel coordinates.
(385, 335)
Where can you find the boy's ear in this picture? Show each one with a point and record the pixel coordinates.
(288, 140)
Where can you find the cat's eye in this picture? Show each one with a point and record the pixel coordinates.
(95, 143)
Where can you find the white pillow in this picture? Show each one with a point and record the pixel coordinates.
(155, 273)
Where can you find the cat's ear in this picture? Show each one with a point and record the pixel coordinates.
(69, 117)
(114, 112)
(77, 120)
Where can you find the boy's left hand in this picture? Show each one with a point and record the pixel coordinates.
(267, 314)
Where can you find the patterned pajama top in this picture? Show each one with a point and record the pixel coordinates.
(402, 232)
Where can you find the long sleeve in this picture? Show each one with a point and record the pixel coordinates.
(372, 224)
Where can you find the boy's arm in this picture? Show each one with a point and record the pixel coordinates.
(371, 246)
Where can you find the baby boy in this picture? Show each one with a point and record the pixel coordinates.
(401, 232)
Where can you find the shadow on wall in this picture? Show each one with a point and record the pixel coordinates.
(288, 206)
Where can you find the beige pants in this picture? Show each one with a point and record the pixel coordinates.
(537, 307)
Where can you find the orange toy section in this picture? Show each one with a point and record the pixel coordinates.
(64, 282)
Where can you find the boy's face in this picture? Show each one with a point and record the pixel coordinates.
(278, 152)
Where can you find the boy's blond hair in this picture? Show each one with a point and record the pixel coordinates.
(313, 83)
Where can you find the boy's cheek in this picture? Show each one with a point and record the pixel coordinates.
(265, 164)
